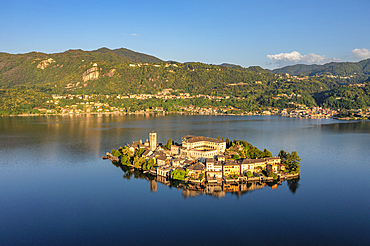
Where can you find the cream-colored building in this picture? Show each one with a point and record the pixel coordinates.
(202, 147)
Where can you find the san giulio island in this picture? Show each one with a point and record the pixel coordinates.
(205, 165)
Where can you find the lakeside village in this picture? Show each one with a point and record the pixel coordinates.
(207, 161)
(102, 104)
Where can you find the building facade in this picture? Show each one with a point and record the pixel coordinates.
(202, 147)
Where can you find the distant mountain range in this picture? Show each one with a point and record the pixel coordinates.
(78, 66)
(333, 68)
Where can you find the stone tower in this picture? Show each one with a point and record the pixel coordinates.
(153, 140)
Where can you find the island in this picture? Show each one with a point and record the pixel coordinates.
(205, 160)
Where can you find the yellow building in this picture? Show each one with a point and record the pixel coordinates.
(230, 168)
(260, 163)
(275, 162)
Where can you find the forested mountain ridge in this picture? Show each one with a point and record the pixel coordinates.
(124, 72)
(131, 55)
(40, 68)
(111, 71)
(332, 68)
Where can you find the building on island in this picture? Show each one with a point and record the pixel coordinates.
(175, 150)
(153, 140)
(213, 169)
(230, 168)
(203, 158)
(202, 147)
(195, 170)
(164, 171)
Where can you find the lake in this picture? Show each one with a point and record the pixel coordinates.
(55, 188)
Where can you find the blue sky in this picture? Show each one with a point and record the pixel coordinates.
(264, 33)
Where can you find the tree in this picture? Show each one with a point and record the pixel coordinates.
(282, 154)
(149, 165)
(126, 151)
(125, 160)
(236, 157)
(267, 153)
(179, 174)
(169, 144)
(139, 152)
(116, 153)
(138, 161)
(291, 161)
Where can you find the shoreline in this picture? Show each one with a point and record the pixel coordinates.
(180, 113)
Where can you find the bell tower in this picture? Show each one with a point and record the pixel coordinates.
(153, 140)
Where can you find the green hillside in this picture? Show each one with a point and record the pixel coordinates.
(131, 55)
(333, 68)
(124, 72)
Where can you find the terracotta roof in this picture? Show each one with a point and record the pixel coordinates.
(227, 163)
(146, 152)
(136, 144)
(162, 157)
(252, 161)
(193, 139)
(197, 166)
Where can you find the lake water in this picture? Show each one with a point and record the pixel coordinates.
(55, 188)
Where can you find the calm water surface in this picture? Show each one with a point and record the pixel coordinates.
(55, 189)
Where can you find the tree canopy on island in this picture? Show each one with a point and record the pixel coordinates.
(242, 149)
(290, 160)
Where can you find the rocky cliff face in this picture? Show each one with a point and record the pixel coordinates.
(111, 72)
(43, 64)
(91, 74)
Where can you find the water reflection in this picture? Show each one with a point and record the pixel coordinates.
(347, 127)
(293, 184)
(217, 190)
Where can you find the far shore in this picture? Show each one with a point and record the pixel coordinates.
(165, 113)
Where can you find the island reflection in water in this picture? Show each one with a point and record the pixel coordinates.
(218, 190)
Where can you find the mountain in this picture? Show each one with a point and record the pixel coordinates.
(122, 71)
(66, 67)
(131, 55)
(229, 65)
(333, 68)
(35, 76)
(299, 69)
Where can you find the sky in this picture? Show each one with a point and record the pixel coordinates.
(262, 33)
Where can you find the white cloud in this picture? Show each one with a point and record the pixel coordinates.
(361, 53)
(133, 34)
(295, 57)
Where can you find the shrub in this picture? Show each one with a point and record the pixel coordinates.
(201, 176)
(236, 156)
(115, 152)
